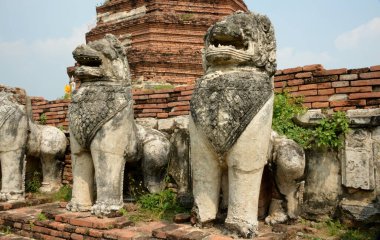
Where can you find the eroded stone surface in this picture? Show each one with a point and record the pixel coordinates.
(357, 163)
(13, 139)
(231, 115)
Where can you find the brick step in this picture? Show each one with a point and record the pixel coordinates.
(53, 221)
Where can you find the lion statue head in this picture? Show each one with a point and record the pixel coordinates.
(102, 60)
(241, 40)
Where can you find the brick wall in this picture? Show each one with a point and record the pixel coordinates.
(164, 38)
(339, 89)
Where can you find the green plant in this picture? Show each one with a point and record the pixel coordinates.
(34, 184)
(64, 194)
(162, 204)
(43, 119)
(41, 217)
(123, 212)
(356, 235)
(6, 230)
(328, 133)
(284, 109)
(62, 128)
(331, 130)
(334, 227)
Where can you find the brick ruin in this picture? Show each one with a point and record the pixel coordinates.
(165, 38)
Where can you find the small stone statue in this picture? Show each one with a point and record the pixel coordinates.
(103, 134)
(13, 139)
(231, 117)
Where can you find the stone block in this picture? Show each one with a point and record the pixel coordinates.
(357, 162)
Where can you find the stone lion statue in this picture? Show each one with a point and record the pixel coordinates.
(231, 117)
(20, 136)
(103, 134)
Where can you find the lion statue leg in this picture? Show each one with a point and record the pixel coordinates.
(246, 161)
(206, 186)
(83, 177)
(114, 142)
(13, 139)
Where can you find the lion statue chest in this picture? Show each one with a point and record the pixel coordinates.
(224, 104)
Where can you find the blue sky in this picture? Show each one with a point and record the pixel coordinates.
(38, 36)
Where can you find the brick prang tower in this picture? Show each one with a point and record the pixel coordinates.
(164, 38)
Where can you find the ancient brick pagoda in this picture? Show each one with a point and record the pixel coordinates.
(165, 38)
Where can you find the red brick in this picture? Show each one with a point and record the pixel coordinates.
(316, 99)
(353, 89)
(340, 84)
(314, 67)
(181, 108)
(279, 84)
(304, 75)
(370, 82)
(324, 85)
(162, 115)
(81, 230)
(142, 97)
(348, 77)
(345, 103)
(364, 95)
(307, 105)
(320, 104)
(292, 70)
(41, 229)
(308, 87)
(375, 68)
(295, 82)
(284, 77)
(305, 93)
(163, 95)
(278, 72)
(291, 89)
(335, 71)
(326, 91)
(187, 93)
(370, 75)
(95, 233)
(82, 222)
(75, 236)
(185, 98)
(179, 113)
(152, 110)
(17, 225)
(174, 104)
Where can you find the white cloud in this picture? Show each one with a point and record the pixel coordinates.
(39, 66)
(289, 57)
(360, 37)
(50, 47)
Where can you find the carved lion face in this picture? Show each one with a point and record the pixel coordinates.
(102, 60)
(242, 39)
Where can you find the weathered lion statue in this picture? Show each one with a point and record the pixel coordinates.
(231, 117)
(20, 136)
(103, 134)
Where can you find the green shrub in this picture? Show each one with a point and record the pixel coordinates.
(161, 204)
(64, 194)
(43, 119)
(34, 184)
(329, 133)
(41, 217)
